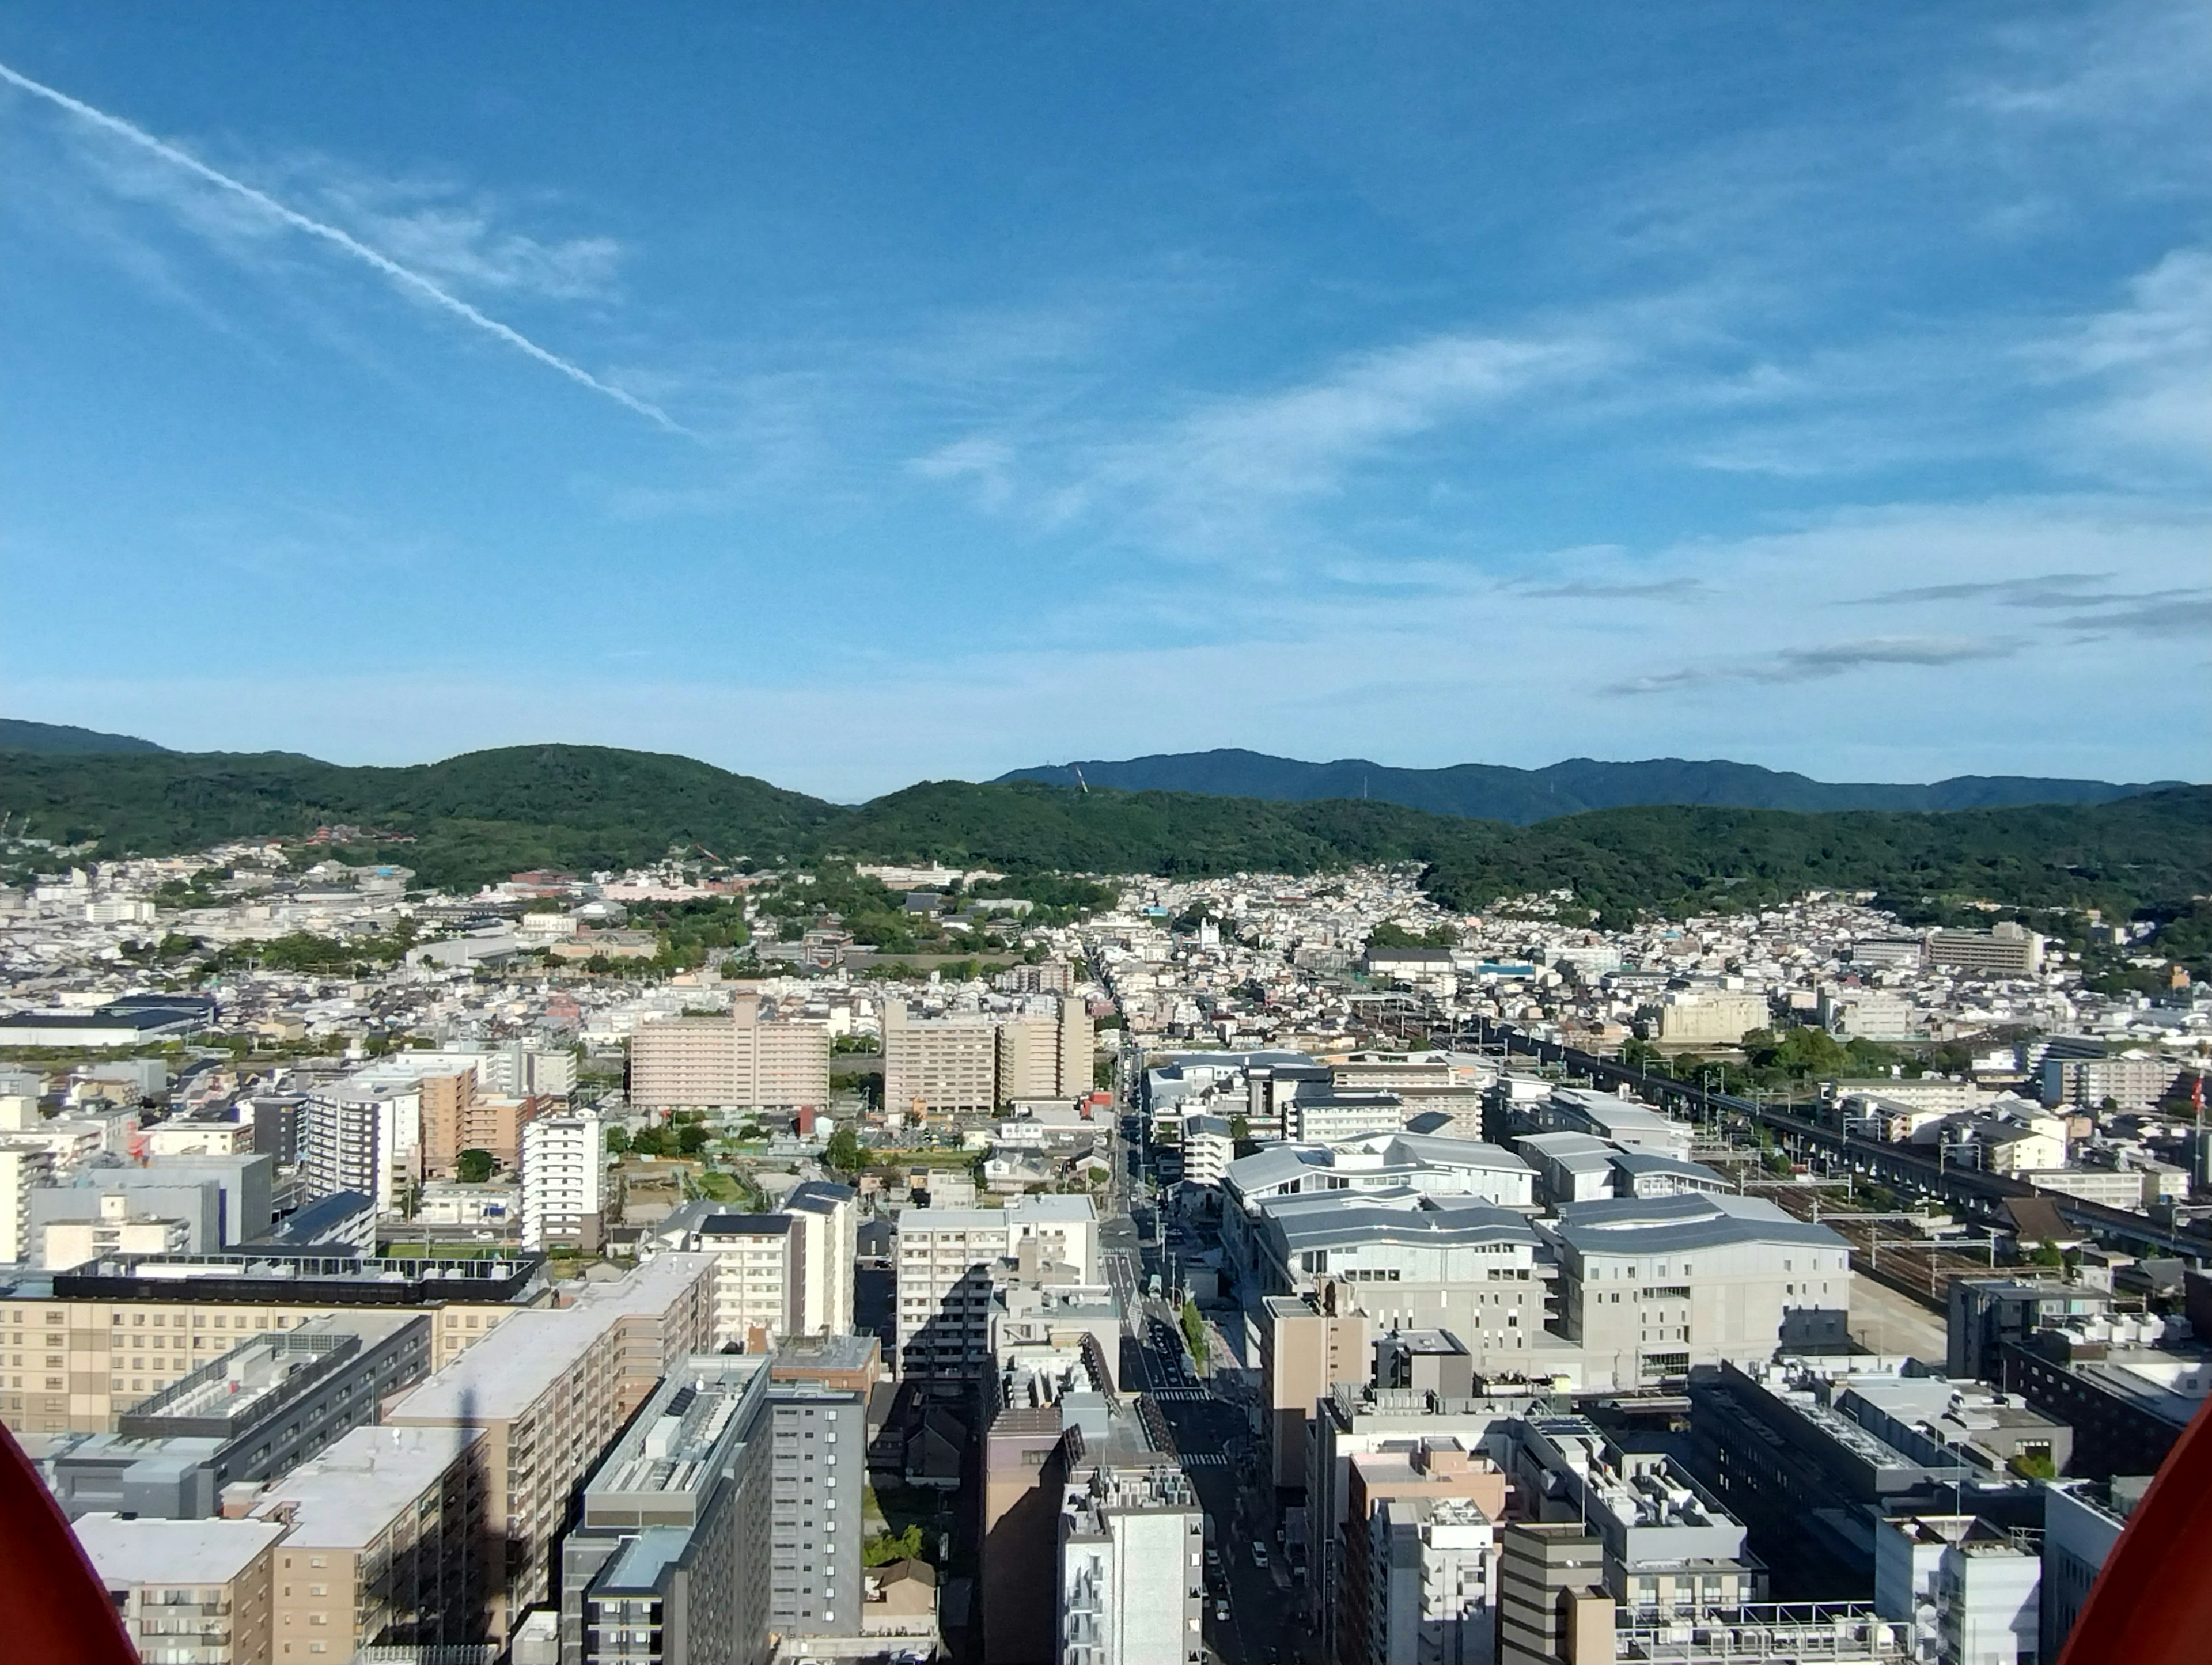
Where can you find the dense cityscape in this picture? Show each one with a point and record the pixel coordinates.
(642, 1265)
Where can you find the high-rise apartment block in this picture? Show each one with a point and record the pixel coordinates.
(946, 1260)
(564, 1181)
(744, 1062)
(459, 1115)
(196, 1590)
(2005, 950)
(972, 1063)
(1131, 1567)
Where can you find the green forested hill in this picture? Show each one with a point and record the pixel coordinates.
(487, 814)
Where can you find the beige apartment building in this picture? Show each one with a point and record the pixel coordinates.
(742, 1062)
(1045, 1057)
(196, 1590)
(71, 1361)
(549, 1394)
(939, 1065)
(1307, 1345)
(385, 1540)
(457, 1116)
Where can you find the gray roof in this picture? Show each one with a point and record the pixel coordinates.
(1686, 1220)
(1355, 1220)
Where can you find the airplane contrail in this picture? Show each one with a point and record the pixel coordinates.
(412, 280)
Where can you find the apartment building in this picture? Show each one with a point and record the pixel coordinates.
(78, 1347)
(2131, 1080)
(459, 1115)
(259, 1410)
(759, 1272)
(673, 1541)
(946, 1258)
(1393, 1538)
(363, 1135)
(386, 1539)
(829, 1222)
(24, 1168)
(549, 1394)
(1209, 1146)
(1045, 1057)
(744, 1061)
(939, 1065)
(1307, 1345)
(564, 1181)
(1132, 1574)
(819, 1466)
(2005, 950)
(196, 1590)
(1650, 1287)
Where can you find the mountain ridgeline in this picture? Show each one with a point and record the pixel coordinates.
(1491, 792)
(486, 814)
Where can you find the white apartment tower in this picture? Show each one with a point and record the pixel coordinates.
(945, 1259)
(564, 1169)
(1132, 1568)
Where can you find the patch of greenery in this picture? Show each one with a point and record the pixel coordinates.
(1391, 935)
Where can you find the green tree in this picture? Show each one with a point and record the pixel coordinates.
(1194, 1331)
(887, 1546)
(649, 1142)
(844, 1153)
(475, 1166)
(617, 1139)
(691, 1138)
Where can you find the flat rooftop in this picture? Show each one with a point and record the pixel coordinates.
(124, 1551)
(344, 1498)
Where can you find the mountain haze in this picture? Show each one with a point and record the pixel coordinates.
(1492, 792)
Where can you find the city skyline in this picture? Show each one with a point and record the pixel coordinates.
(849, 403)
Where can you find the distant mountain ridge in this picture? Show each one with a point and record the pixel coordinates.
(1492, 792)
(18, 735)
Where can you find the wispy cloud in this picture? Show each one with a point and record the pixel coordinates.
(406, 278)
(1663, 589)
(1811, 664)
(2044, 590)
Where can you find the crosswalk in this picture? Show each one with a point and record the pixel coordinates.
(1179, 1393)
(1204, 1459)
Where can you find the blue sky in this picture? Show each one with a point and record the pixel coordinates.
(851, 395)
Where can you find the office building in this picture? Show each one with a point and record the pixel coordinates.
(563, 1179)
(221, 1200)
(2006, 950)
(745, 1062)
(259, 1410)
(196, 1590)
(1987, 1315)
(386, 1541)
(945, 1257)
(1670, 1549)
(113, 1229)
(2081, 1521)
(548, 1390)
(1621, 1122)
(79, 1346)
(2126, 1403)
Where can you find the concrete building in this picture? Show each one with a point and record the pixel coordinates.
(1048, 1057)
(1649, 1287)
(549, 1391)
(1552, 1608)
(2005, 950)
(672, 1536)
(1307, 1345)
(385, 1541)
(819, 1466)
(1621, 1122)
(1864, 1014)
(939, 1065)
(2081, 1521)
(459, 1115)
(1970, 1593)
(260, 1410)
(1131, 1567)
(79, 1346)
(829, 1220)
(195, 1590)
(746, 1061)
(23, 1169)
(1209, 1146)
(1700, 1018)
(2129, 1080)
(564, 1181)
(1408, 1576)
(114, 1230)
(945, 1257)
(758, 1271)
